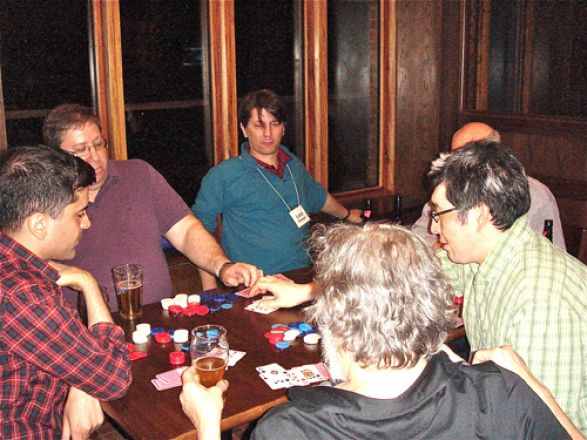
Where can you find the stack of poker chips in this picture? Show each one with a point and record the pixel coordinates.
(281, 336)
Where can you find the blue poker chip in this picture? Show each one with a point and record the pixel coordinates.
(278, 325)
(212, 333)
(230, 297)
(214, 308)
(226, 306)
(156, 330)
(171, 333)
(219, 298)
(305, 327)
(185, 347)
(282, 345)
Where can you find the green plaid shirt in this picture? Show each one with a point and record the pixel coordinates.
(533, 296)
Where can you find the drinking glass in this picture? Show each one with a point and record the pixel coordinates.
(209, 353)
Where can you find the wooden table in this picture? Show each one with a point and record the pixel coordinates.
(145, 413)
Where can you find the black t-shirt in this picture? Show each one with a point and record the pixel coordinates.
(448, 401)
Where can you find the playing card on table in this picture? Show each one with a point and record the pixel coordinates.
(234, 356)
(308, 374)
(274, 375)
(255, 306)
(171, 375)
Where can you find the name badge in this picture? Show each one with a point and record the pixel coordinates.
(299, 216)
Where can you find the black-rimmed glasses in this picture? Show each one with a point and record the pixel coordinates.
(436, 215)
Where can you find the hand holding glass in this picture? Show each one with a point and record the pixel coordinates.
(209, 352)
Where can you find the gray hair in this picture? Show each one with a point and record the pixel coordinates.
(383, 295)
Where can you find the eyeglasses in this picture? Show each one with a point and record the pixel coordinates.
(436, 215)
(83, 150)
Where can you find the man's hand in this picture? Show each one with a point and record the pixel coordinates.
(74, 277)
(241, 273)
(286, 293)
(355, 216)
(203, 406)
(82, 415)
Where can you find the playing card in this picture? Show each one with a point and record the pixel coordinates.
(281, 277)
(160, 385)
(234, 356)
(171, 375)
(274, 375)
(256, 307)
(307, 374)
(244, 293)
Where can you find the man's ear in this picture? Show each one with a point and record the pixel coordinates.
(36, 224)
(482, 216)
(243, 130)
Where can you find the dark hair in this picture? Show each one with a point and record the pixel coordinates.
(383, 295)
(64, 118)
(262, 99)
(484, 172)
(38, 179)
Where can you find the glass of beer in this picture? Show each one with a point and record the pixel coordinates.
(209, 353)
(128, 282)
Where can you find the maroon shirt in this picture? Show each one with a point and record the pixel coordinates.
(282, 159)
(45, 349)
(133, 209)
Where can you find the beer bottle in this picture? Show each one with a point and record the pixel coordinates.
(547, 231)
(367, 212)
(397, 211)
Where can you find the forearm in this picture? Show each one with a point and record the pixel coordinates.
(97, 309)
(193, 240)
(334, 208)
(208, 281)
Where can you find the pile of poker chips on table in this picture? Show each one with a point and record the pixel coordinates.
(281, 336)
(201, 305)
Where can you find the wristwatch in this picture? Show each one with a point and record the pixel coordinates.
(223, 269)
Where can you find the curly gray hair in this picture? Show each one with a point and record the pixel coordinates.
(383, 295)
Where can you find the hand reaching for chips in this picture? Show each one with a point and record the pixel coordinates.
(285, 292)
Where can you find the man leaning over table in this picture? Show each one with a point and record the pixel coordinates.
(265, 194)
(542, 203)
(131, 207)
(48, 359)
(384, 308)
(519, 289)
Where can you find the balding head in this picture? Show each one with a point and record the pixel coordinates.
(473, 131)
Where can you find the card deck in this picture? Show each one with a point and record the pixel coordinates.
(277, 377)
(256, 307)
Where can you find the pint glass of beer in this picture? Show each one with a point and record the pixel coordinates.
(209, 353)
(128, 281)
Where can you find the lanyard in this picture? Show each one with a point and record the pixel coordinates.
(277, 192)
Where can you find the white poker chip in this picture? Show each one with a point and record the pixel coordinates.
(166, 302)
(195, 299)
(290, 335)
(181, 299)
(180, 336)
(138, 337)
(312, 338)
(144, 328)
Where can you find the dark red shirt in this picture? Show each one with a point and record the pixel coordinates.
(45, 349)
(282, 159)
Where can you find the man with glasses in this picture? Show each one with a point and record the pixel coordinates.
(131, 207)
(519, 289)
(542, 203)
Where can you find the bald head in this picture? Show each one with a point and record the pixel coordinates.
(473, 131)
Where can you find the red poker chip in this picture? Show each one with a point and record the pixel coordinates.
(176, 357)
(202, 310)
(190, 311)
(136, 355)
(131, 347)
(281, 328)
(163, 338)
(274, 338)
(175, 311)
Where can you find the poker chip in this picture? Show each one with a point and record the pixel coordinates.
(131, 347)
(138, 337)
(190, 311)
(194, 299)
(180, 336)
(163, 338)
(275, 338)
(185, 347)
(202, 310)
(212, 333)
(136, 355)
(214, 308)
(156, 330)
(305, 327)
(176, 357)
(278, 325)
(175, 310)
(226, 306)
(144, 328)
(312, 338)
(291, 335)
(166, 302)
(181, 300)
(282, 345)
(219, 298)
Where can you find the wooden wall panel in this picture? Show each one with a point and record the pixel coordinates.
(418, 92)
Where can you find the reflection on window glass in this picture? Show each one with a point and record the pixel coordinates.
(45, 62)
(265, 33)
(163, 68)
(353, 158)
